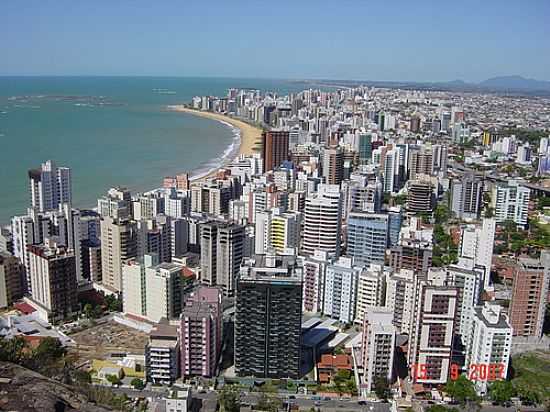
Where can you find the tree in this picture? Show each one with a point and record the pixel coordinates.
(528, 397)
(12, 350)
(137, 384)
(382, 388)
(113, 379)
(501, 391)
(268, 404)
(88, 310)
(441, 214)
(229, 399)
(462, 390)
(113, 303)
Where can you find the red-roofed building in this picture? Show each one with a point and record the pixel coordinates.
(24, 308)
(331, 364)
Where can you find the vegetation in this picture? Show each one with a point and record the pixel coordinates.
(382, 388)
(50, 359)
(463, 391)
(269, 404)
(445, 251)
(531, 376)
(441, 214)
(114, 303)
(229, 399)
(113, 379)
(501, 391)
(137, 384)
(532, 136)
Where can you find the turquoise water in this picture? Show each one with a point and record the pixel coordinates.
(109, 130)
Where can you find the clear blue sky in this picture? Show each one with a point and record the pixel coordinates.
(375, 40)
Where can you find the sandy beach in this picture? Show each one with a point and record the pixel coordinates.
(250, 135)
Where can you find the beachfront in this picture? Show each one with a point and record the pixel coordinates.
(250, 135)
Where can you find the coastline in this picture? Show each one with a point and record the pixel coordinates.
(250, 136)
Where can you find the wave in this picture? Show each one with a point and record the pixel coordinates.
(230, 153)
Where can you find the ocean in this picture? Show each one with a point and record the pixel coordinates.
(110, 131)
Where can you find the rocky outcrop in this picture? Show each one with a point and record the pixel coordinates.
(28, 391)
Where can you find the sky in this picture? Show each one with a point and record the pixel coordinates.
(293, 39)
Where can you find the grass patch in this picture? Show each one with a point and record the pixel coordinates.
(532, 372)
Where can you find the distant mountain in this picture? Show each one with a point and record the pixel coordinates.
(515, 83)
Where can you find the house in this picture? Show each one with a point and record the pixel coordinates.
(330, 364)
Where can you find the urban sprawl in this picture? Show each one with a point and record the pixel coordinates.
(381, 250)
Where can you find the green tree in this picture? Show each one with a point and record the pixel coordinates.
(114, 304)
(528, 397)
(229, 399)
(269, 404)
(137, 384)
(12, 350)
(441, 214)
(382, 388)
(113, 379)
(88, 310)
(501, 391)
(462, 390)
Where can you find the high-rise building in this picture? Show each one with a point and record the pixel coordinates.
(49, 186)
(201, 332)
(490, 343)
(421, 162)
(367, 237)
(400, 294)
(222, 247)
(371, 288)
(511, 202)
(365, 148)
(414, 248)
(322, 221)
(432, 334)
(134, 297)
(340, 291)
(378, 346)
(390, 167)
(268, 318)
(468, 280)
(529, 295)
(163, 291)
(12, 272)
(466, 196)
(162, 354)
(117, 204)
(53, 280)
(477, 243)
(420, 196)
(314, 268)
(333, 165)
(277, 230)
(119, 241)
(275, 148)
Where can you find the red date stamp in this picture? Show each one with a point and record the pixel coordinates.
(486, 372)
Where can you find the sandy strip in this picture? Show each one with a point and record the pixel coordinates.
(250, 135)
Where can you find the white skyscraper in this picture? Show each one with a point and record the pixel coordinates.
(341, 290)
(49, 186)
(378, 345)
(477, 243)
(322, 221)
(163, 291)
(370, 290)
(511, 202)
(489, 343)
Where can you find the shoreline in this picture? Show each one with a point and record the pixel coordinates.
(250, 136)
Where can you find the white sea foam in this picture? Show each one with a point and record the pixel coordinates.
(230, 153)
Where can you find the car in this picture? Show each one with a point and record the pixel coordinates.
(362, 402)
(327, 398)
(291, 397)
